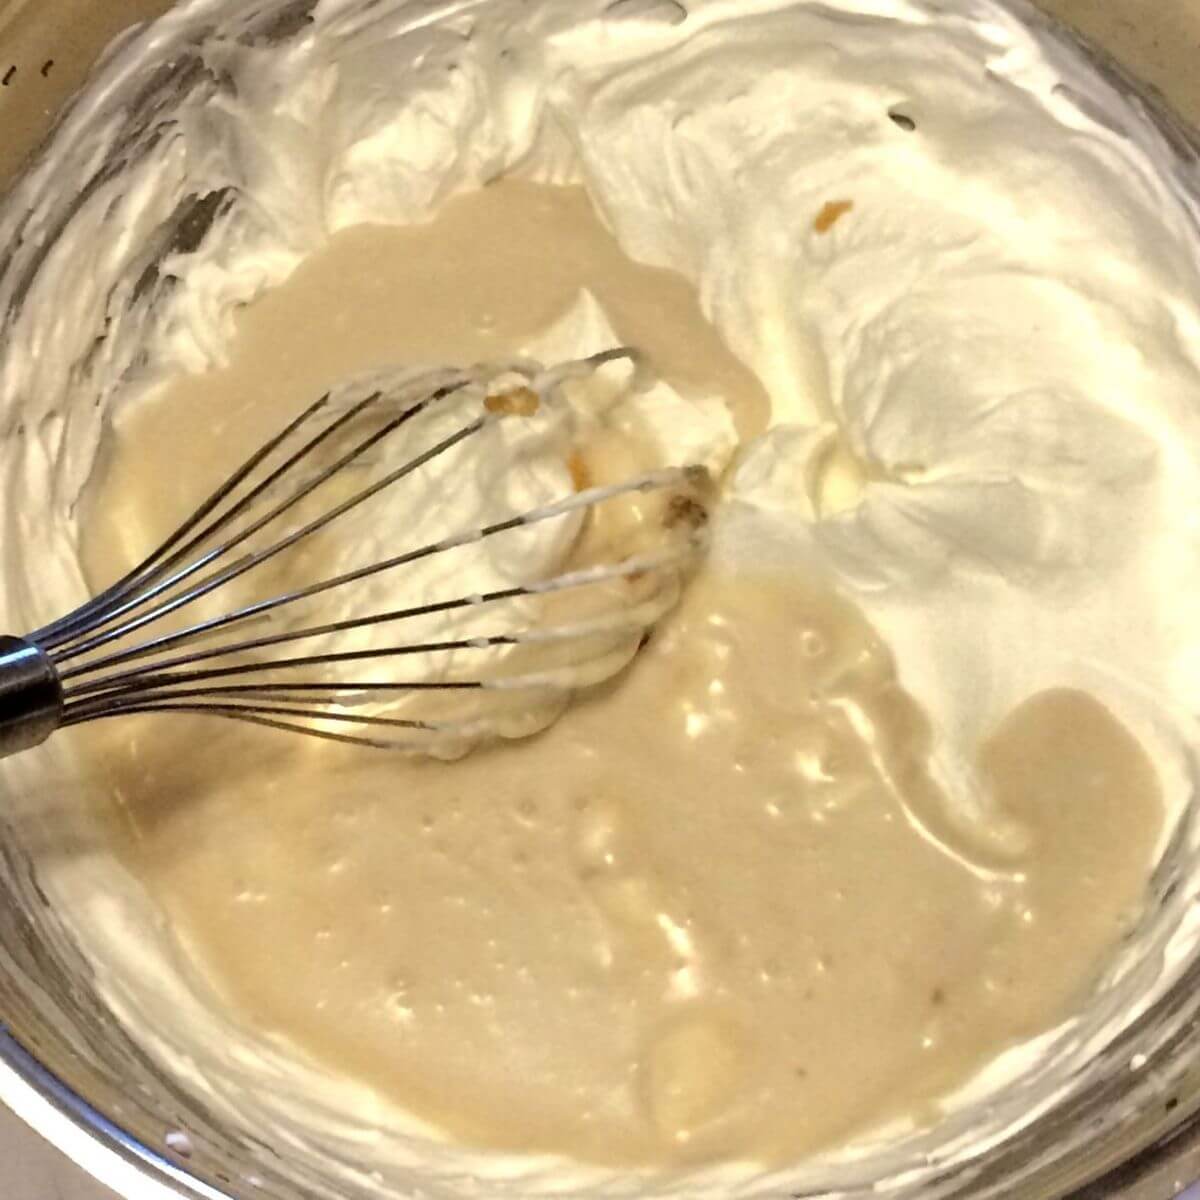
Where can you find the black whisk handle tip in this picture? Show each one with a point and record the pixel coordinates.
(31, 697)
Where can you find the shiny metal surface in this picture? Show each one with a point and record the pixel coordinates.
(1154, 1157)
(112, 656)
(30, 696)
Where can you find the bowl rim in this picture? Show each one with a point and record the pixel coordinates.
(114, 1158)
(134, 1170)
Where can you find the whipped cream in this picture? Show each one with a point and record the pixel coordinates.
(965, 269)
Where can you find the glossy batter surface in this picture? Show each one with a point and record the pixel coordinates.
(721, 908)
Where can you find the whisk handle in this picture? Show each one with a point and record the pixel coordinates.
(30, 696)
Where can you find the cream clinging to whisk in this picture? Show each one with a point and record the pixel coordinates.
(226, 617)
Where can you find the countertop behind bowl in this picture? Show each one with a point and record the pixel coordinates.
(45, 48)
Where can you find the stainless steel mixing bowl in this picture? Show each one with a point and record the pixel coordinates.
(75, 1074)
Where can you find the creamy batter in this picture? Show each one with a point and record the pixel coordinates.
(722, 908)
(693, 919)
(927, 289)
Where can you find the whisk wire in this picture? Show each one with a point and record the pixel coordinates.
(151, 566)
(239, 568)
(634, 565)
(89, 665)
(580, 500)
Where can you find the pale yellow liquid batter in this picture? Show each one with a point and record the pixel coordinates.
(718, 908)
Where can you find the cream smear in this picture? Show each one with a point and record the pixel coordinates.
(963, 270)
